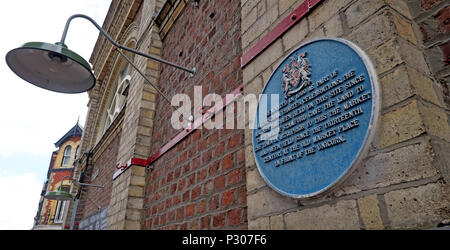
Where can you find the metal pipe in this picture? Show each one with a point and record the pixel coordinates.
(89, 185)
(63, 39)
(74, 214)
(143, 75)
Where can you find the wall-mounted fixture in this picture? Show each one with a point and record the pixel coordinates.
(60, 194)
(54, 67)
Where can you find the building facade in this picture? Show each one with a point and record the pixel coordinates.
(52, 213)
(159, 177)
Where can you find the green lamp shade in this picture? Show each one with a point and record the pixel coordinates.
(58, 195)
(51, 66)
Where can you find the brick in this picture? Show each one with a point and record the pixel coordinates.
(205, 222)
(242, 195)
(194, 225)
(202, 174)
(136, 191)
(218, 220)
(261, 8)
(370, 212)
(249, 19)
(240, 156)
(132, 225)
(257, 29)
(436, 122)
(201, 206)
(405, 29)
(234, 141)
(234, 217)
(219, 149)
(324, 11)
(396, 86)
(247, 6)
(254, 180)
(227, 162)
(401, 7)
(266, 201)
(213, 203)
(361, 10)
(138, 181)
(284, 5)
(413, 57)
(219, 182)
(196, 192)
(340, 216)
(259, 224)
(374, 32)
(276, 222)
(249, 156)
(409, 163)
(400, 125)
(334, 27)
(191, 179)
(190, 209)
(295, 35)
(180, 213)
(227, 198)
(419, 207)
(234, 177)
(268, 56)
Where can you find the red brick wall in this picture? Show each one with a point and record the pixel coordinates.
(433, 19)
(105, 163)
(200, 183)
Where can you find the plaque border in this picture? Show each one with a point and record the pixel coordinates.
(371, 130)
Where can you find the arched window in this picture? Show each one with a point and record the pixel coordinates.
(118, 100)
(66, 157)
(76, 152)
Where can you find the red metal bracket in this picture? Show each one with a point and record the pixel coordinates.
(297, 15)
(131, 162)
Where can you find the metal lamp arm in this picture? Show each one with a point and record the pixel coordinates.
(88, 185)
(63, 38)
(79, 183)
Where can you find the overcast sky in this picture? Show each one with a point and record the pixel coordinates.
(33, 119)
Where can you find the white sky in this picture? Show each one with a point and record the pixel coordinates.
(33, 119)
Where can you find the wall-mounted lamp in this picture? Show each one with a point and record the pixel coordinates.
(60, 194)
(54, 67)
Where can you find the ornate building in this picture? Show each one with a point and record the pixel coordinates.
(52, 213)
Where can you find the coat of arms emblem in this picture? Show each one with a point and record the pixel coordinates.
(296, 75)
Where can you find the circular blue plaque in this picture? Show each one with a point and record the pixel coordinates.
(316, 117)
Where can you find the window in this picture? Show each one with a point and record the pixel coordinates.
(116, 103)
(118, 100)
(66, 157)
(60, 206)
(59, 214)
(76, 152)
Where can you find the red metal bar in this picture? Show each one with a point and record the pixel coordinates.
(297, 15)
(131, 162)
(178, 138)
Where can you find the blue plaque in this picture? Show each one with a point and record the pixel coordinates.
(316, 117)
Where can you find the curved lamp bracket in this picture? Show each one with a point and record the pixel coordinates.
(63, 38)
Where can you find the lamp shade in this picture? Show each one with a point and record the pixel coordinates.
(51, 66)
(58, 195)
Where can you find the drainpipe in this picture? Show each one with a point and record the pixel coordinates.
(77, 197)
